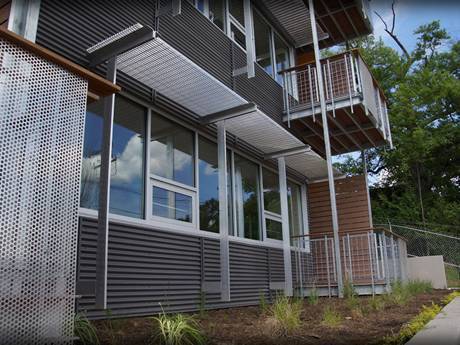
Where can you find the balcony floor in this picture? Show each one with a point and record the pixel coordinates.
(349, 130)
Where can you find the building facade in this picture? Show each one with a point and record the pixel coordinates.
(196, 177)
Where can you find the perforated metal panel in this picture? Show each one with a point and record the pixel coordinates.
(42, 109)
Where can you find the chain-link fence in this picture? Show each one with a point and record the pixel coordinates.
(421, 242)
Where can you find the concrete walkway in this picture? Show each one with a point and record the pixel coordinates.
(444, 329)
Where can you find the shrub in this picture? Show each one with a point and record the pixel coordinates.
(413, 326)
(331, 318)
(351, 297)
(377, 303)
(287, 312)
(263, 302)
(202, 305)
(85, 330)
(177, 330)
(313, 297)
(416, 287)
(450, 297)
(399, 294)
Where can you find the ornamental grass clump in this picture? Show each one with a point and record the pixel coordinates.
(331, 317)
(85, 330)
(286, 313)
(177, 329)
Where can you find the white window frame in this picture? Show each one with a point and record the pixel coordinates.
(268, 214)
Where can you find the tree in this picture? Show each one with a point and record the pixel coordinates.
(421, 174)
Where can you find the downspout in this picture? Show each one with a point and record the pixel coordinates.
(327, 144)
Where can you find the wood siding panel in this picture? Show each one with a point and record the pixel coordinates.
(5, 7)
(352, 205)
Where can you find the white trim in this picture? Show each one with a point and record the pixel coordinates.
(23, 18)
(262, 211)
(197, 178)
(147, 187)
(250, 40)
(173, 183)
(305, 219)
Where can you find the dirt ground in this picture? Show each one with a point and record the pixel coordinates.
(249, 325)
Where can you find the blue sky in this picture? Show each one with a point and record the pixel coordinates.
(410, 14)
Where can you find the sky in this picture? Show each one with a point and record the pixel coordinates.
(410, 14)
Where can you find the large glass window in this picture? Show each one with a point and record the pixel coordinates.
(127, 163)
(295, 210)
(272, 205)
(172, 205)
(247, 198)
(127, 168)
(217, 13)
(172, 151)
(236, 9)
(281, 57)
(209, 186)
(262, 36)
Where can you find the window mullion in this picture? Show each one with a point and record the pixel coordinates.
(262, 206)
(273, 52)
(197, 181)
(148, 189)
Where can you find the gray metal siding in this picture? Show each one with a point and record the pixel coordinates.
(148, 267)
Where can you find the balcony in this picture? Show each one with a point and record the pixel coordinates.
(356, 105)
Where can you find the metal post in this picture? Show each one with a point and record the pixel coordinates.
(369, 206)
(385, 260)
(371, 262)
(331, 86)
(326, 247)
(348, 83)
(393, 254)
(104, 192)
(350, 261)
(286, 99)
(312, 101)
(285, 226)
(223, 212)
(374, 236)
(327, 144)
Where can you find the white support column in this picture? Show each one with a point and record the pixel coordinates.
(327, 144)
(249, 26)
(369, 206)
(305, 220)
(285, 226)
(223, 212)
(104, 192)
(23, 18)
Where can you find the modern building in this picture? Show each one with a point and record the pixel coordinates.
(208, 178)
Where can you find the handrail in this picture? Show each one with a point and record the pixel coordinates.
(354, 231)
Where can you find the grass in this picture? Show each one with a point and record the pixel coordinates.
(377, 303)
(414, 325)
(331, 318)
(263, 304)
(287, 312)
(449, 298)
(313, 297)
(84, 330)
(453, 276)
(177, 329)
(402, 293)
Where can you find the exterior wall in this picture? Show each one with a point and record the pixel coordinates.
(5, 7)
(352, 206)
(428, 268)
(70, 27)
(148, 266)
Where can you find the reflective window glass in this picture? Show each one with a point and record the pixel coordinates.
(271, 192)
(172, 205)
(262, 43)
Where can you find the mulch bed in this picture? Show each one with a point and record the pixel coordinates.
(238, 326)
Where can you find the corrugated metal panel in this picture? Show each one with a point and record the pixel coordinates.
(148, 267)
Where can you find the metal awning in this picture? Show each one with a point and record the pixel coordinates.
(161, 67)
(294, 17)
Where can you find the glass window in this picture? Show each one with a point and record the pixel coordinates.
(127, 165)
(217, 13)
(238, 36)
(172, 205)
(236, 9)
(209, 186)
(172, 151)
(295, 209)
(281, 58)
(271, 192)
(262, 43)
(91, 164)
(127, 168)
(274, 229)
(247, 198)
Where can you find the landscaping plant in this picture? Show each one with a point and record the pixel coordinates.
(287, 312)
(177, 330)
(313, 297)
(84, 330)
(331, 318)
(263, 302)
(413, 326)
(377, 303)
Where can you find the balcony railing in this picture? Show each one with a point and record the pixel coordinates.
(348, 82)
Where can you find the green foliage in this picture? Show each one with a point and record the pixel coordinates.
(313, 297)
(331, 317)
(177, 330)
(287, 312)
(85, 330)
(416, 287)
(377, 303)
(263, 302)
(450, 297)
(423, 93)
(351, 297)
(202, 305)
(413, 326)
(399, 294)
